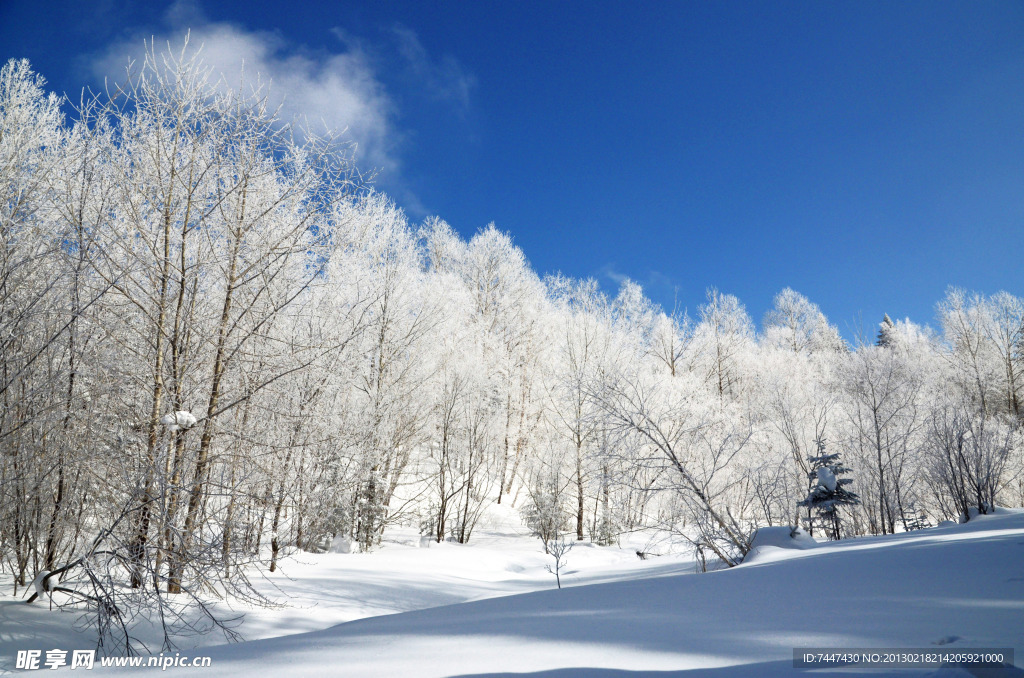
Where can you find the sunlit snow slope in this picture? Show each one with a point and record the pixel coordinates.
(953, 587)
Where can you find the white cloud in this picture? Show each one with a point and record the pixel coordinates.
(444, 78)
(662, 281)
(609, 272)
(658, 286)
(337, 89)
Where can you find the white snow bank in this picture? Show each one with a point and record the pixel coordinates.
(783, 537)
(767, 539)
(974, 514)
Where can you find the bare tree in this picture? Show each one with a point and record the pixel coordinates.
(558, 549)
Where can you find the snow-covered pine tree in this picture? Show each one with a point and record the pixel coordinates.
(827, 491)
(886, 333)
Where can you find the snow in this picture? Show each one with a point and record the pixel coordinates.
(180, 420)
(340, 544)
(39, 584)
(489, 608)
(766, 539)
(827, 479)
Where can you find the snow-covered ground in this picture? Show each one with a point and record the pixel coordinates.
(317, 591)
(491, 608)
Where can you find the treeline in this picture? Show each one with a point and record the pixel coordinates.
(218, 345)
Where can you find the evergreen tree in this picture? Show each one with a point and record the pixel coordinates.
(827, 491)
(886, 333)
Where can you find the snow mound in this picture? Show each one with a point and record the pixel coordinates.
(974, 514)
(781, 537)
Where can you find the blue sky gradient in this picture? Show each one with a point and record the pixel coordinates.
(866, 154)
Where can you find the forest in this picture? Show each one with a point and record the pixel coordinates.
(220, 345)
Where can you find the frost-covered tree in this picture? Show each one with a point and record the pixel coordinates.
(400, 321)
(1004, 328)
(886, 330)
(971, 354)
(34, 318)
(725, 334)
(671, 425)
(672, 341)
(582, 346)
(884, 418)
(798, 325)
(969, 458)
(508, 302)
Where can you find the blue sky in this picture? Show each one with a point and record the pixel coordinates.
(866, 154)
